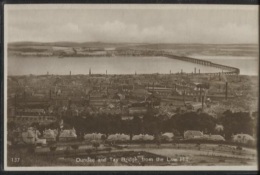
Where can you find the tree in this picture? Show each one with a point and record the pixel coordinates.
(237, 122)
(192, 121)
(95, 145)
(11, 125)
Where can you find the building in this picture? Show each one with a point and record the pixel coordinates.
(68, 134)
(214, 137)
(118, 137)
(191, 134)
(50, 135)
(243, 138)
(137, 110)
(168, 136)
(143, 137)
(28, 120)
(94, 136)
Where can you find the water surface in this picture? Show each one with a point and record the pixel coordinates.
(247, 65)
(113, 65)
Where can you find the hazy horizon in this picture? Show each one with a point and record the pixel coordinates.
(129, 42)
(171, 24)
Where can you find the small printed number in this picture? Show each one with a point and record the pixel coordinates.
(15, 159)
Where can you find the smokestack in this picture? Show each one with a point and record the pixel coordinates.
(181, 72)
(69, 105)
(15, 99)
(195, 70)
(219, 76)
(47, 73)
(200, 94)
(226, 94)
(70, 72)
(89, 71)
(24, 94)
(184, 95)
(202, 101)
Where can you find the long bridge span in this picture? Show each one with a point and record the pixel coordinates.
(228, 70)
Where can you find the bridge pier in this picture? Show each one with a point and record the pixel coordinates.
(230, 70)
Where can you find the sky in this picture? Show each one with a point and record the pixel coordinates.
(207, 24)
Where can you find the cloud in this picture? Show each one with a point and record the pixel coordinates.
(130, 28)
(70, 27)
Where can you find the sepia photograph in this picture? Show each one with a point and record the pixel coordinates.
(131, 87)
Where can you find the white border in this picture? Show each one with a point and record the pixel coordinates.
(129, 6)
(109, 168)
(5, 86)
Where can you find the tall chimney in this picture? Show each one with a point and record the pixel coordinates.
(202, 102)
(195, 70)
(69, 104)
(15, 101)
(183, 93)
(226, 94)
(200, 94)
(24, 94)
(219, 76)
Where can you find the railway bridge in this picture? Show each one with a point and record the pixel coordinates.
(228, 69)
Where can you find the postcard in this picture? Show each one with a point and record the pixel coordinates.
(131, 87)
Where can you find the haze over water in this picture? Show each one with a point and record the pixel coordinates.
(99, 65)
(247, 65)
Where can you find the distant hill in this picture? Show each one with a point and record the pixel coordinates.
(178, 49)
(68, 44)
